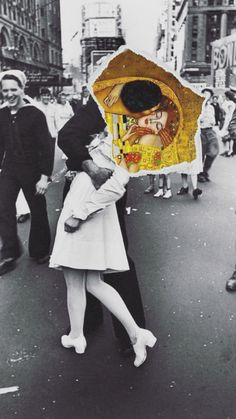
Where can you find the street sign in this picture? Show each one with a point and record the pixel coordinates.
(98, 56)
(43, 80)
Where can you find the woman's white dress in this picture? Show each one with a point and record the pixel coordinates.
(98, 243)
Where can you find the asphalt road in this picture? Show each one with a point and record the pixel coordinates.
(184, 251)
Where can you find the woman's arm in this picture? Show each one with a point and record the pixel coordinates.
(114, 95)
(110, 192)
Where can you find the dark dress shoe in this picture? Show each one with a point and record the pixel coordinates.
(201, 178)
(149, 189)
(7, 265)
(207, 179)
(196, 193)
(182, 191)
(42, 260)
(231, 283)
(22, 218)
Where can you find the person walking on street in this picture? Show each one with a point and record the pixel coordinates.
(26, 163)
(49, 110)
(64, 111)
(210, 146)
(228, 107)
(232, 124)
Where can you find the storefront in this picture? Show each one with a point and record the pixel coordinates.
(223, 69)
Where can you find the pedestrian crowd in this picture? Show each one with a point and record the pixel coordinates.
(217, 131)
(91, 238)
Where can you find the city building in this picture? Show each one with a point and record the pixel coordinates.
(101, 34)
(167, 33)
(30, 39)
(179, 45)
(206, 21)
(224, 62)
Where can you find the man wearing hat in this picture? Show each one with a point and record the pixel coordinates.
(210, 146)
(26, 163)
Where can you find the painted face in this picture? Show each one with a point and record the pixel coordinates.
(155, 120)
(13, 94)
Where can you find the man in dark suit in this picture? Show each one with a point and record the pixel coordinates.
(78, 103)
(73, 138)
(26, 163)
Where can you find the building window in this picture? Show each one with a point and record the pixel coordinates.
(210, 2)
(212, 31)
(5, 8)
(195, 2)
(231, 2)
(42, 12)
(195, 21)
(231, 24)
(208, 54)
(218, 2)
(43, 32)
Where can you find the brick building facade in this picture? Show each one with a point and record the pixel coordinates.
(30, 36)
(206, 21)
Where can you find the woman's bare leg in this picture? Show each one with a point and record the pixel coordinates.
(110, 298)
(76, 300)
(140, 338)
(194, 181)
(184, 179)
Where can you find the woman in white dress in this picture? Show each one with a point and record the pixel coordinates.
(192, 170)
(228, 107)
(95, 248)
(64, 110)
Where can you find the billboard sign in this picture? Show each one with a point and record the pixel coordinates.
(97, 58)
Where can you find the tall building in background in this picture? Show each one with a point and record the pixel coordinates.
(30, 39)
(167, 33)
(101, 34)
(206, 21)
(181, 34)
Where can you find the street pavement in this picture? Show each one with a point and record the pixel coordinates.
(184, 251)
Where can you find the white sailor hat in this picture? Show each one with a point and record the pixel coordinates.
(232, 88)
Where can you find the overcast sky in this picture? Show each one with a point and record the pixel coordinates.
(139, 18)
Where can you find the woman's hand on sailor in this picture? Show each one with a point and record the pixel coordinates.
(72, 224)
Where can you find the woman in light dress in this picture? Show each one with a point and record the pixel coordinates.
(228, 107)
(64, 110)
(94, 249)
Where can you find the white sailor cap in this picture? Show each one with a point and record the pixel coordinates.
(232, 88)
